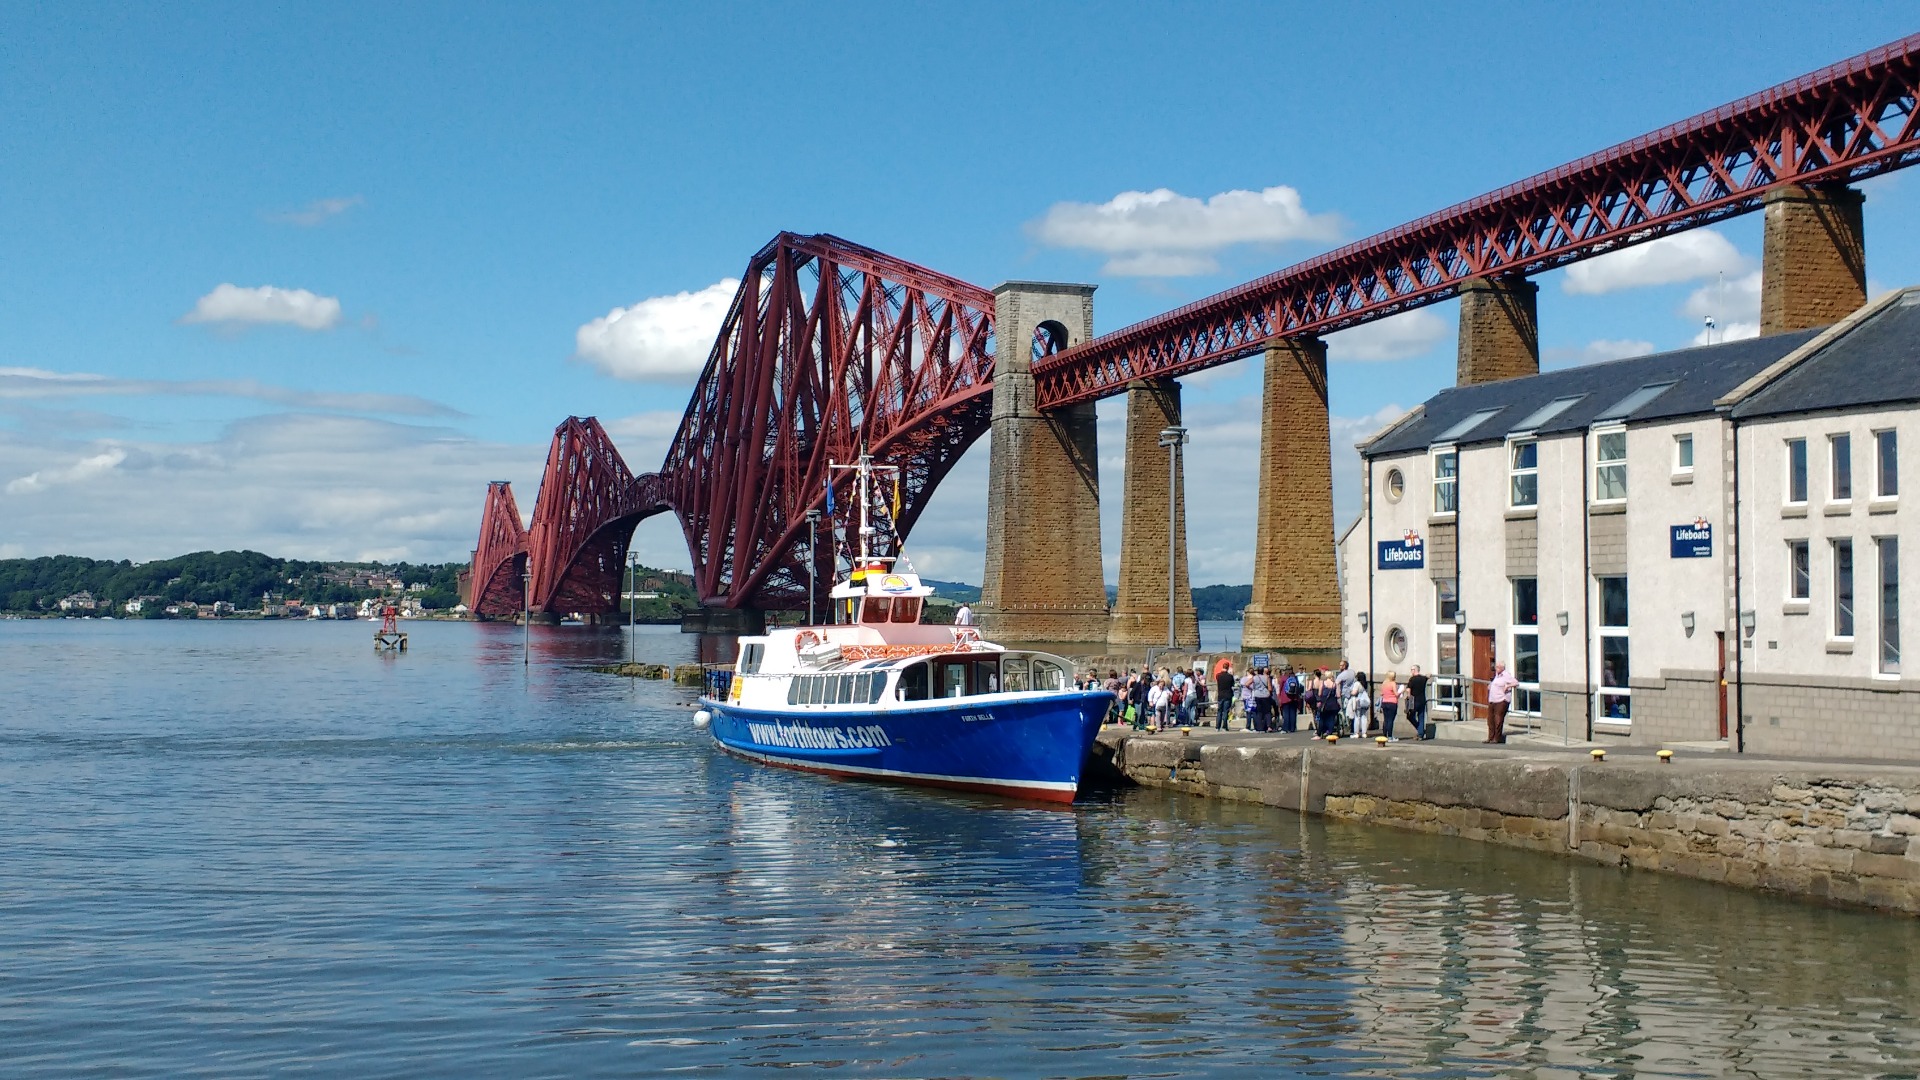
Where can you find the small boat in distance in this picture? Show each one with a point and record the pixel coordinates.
(880, 695)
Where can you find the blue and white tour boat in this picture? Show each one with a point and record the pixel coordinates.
(880, 695)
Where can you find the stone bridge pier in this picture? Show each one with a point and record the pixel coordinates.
(1044, 580)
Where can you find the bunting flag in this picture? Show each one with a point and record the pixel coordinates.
(896, 500)
(829, 498)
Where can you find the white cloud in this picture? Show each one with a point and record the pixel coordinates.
(1689, 256)
(1396, 337)
(296, 485)
(318, 211)
(664, 338)
(644, 438)
(1733, 305)
(1594, 352)
(1162, 233)
(232, 305)
(79, 471)
(24, 383)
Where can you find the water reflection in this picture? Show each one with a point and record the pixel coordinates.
(265, 846)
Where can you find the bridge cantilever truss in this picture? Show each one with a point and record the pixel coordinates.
(1842, 123)
(829, 346)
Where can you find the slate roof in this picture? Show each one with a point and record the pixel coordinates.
(1699, 376)
(1875, 362)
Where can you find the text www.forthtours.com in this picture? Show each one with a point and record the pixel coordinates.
(863, 737)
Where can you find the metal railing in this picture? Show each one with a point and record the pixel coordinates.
(1533, 711)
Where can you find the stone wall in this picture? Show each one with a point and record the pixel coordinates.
(1499, 330)
(1296, 576)
(1832, 717)
(1679, 706)
(1829, 832)
(1813, 258)
(1140, 604)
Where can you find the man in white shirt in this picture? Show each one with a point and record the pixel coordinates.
(963, 617)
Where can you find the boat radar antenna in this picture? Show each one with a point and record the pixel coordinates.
(864, 470)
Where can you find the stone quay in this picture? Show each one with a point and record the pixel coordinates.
(1825, 831)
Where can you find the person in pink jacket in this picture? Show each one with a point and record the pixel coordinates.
(1499, 696)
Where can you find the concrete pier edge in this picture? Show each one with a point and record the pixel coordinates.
(1841, 833)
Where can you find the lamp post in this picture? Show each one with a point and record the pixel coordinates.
(633, 574)
(1462, 687)
(526, 619)
(813, 560)
(1172, 438)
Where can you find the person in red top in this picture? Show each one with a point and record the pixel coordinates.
(1499, 695)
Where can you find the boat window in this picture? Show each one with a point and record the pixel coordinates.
(843, 694)
(862, 687)
(750, 658)
(951, 678)
(875, 609)
(793, 691)
(1013, 671)
(878, 687)
(986, 677)
(906, 609)
(813, 690)
(1048, 676)
(913, 682)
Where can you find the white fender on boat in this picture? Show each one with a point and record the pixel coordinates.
(702, 718)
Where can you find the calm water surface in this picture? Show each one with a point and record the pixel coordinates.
(248, 849)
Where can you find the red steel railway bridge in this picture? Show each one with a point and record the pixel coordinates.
(829, 346)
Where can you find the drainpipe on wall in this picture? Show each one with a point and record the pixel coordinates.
(1739, 627)
(1366, 480)
(1586, 579)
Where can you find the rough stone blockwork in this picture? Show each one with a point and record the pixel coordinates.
(1838, 833)
(1140, 606)
(1499, 330)
(1296, 582)
(1813, 259)
(1043, 580)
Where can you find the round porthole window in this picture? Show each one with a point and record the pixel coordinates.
(1396, 485)
(1396, 644)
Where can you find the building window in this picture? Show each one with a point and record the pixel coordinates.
(1445, 691)
(1840, 482)
(1396, 485)
(1610, 467)
(1525, 474)
(1683, 453)
(1616, 668)
(1799, 570)
(1396, 644)
(1796, 470)
(1446, 599)
(1526, 644)
(1446, 478)
(1889, 547)
(1886, 469)
(1843, 588)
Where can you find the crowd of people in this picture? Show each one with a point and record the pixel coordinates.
(1334, 703)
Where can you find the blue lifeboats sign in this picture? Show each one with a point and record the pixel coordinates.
(1403, 554)
(1693, 541)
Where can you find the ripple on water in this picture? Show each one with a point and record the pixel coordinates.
(258, 848)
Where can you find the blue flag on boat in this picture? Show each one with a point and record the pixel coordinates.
(829, 498)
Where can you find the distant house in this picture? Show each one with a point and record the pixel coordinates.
(80, 601)
(222, 607)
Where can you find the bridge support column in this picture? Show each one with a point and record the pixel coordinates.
(1043, 581)
(1813, 258)
(1296, 585)
(1499, 330)
(1140, 609)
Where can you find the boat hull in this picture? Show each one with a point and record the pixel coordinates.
(1022, 746)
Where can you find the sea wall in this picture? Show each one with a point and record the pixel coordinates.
(1848, 834)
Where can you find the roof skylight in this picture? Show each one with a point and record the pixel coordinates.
(1633, 402)
(1548, 411)
(1463, 427)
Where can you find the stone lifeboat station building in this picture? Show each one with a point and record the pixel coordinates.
(1696, 545)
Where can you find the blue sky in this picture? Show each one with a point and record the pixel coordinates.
(444, 196)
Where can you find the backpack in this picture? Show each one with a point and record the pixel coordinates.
(1293, 687)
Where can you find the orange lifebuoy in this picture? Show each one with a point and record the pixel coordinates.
(806, 639)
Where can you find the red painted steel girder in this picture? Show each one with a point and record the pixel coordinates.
(828, 346)
(584, 516)
(1840, 124)
(500, 556)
